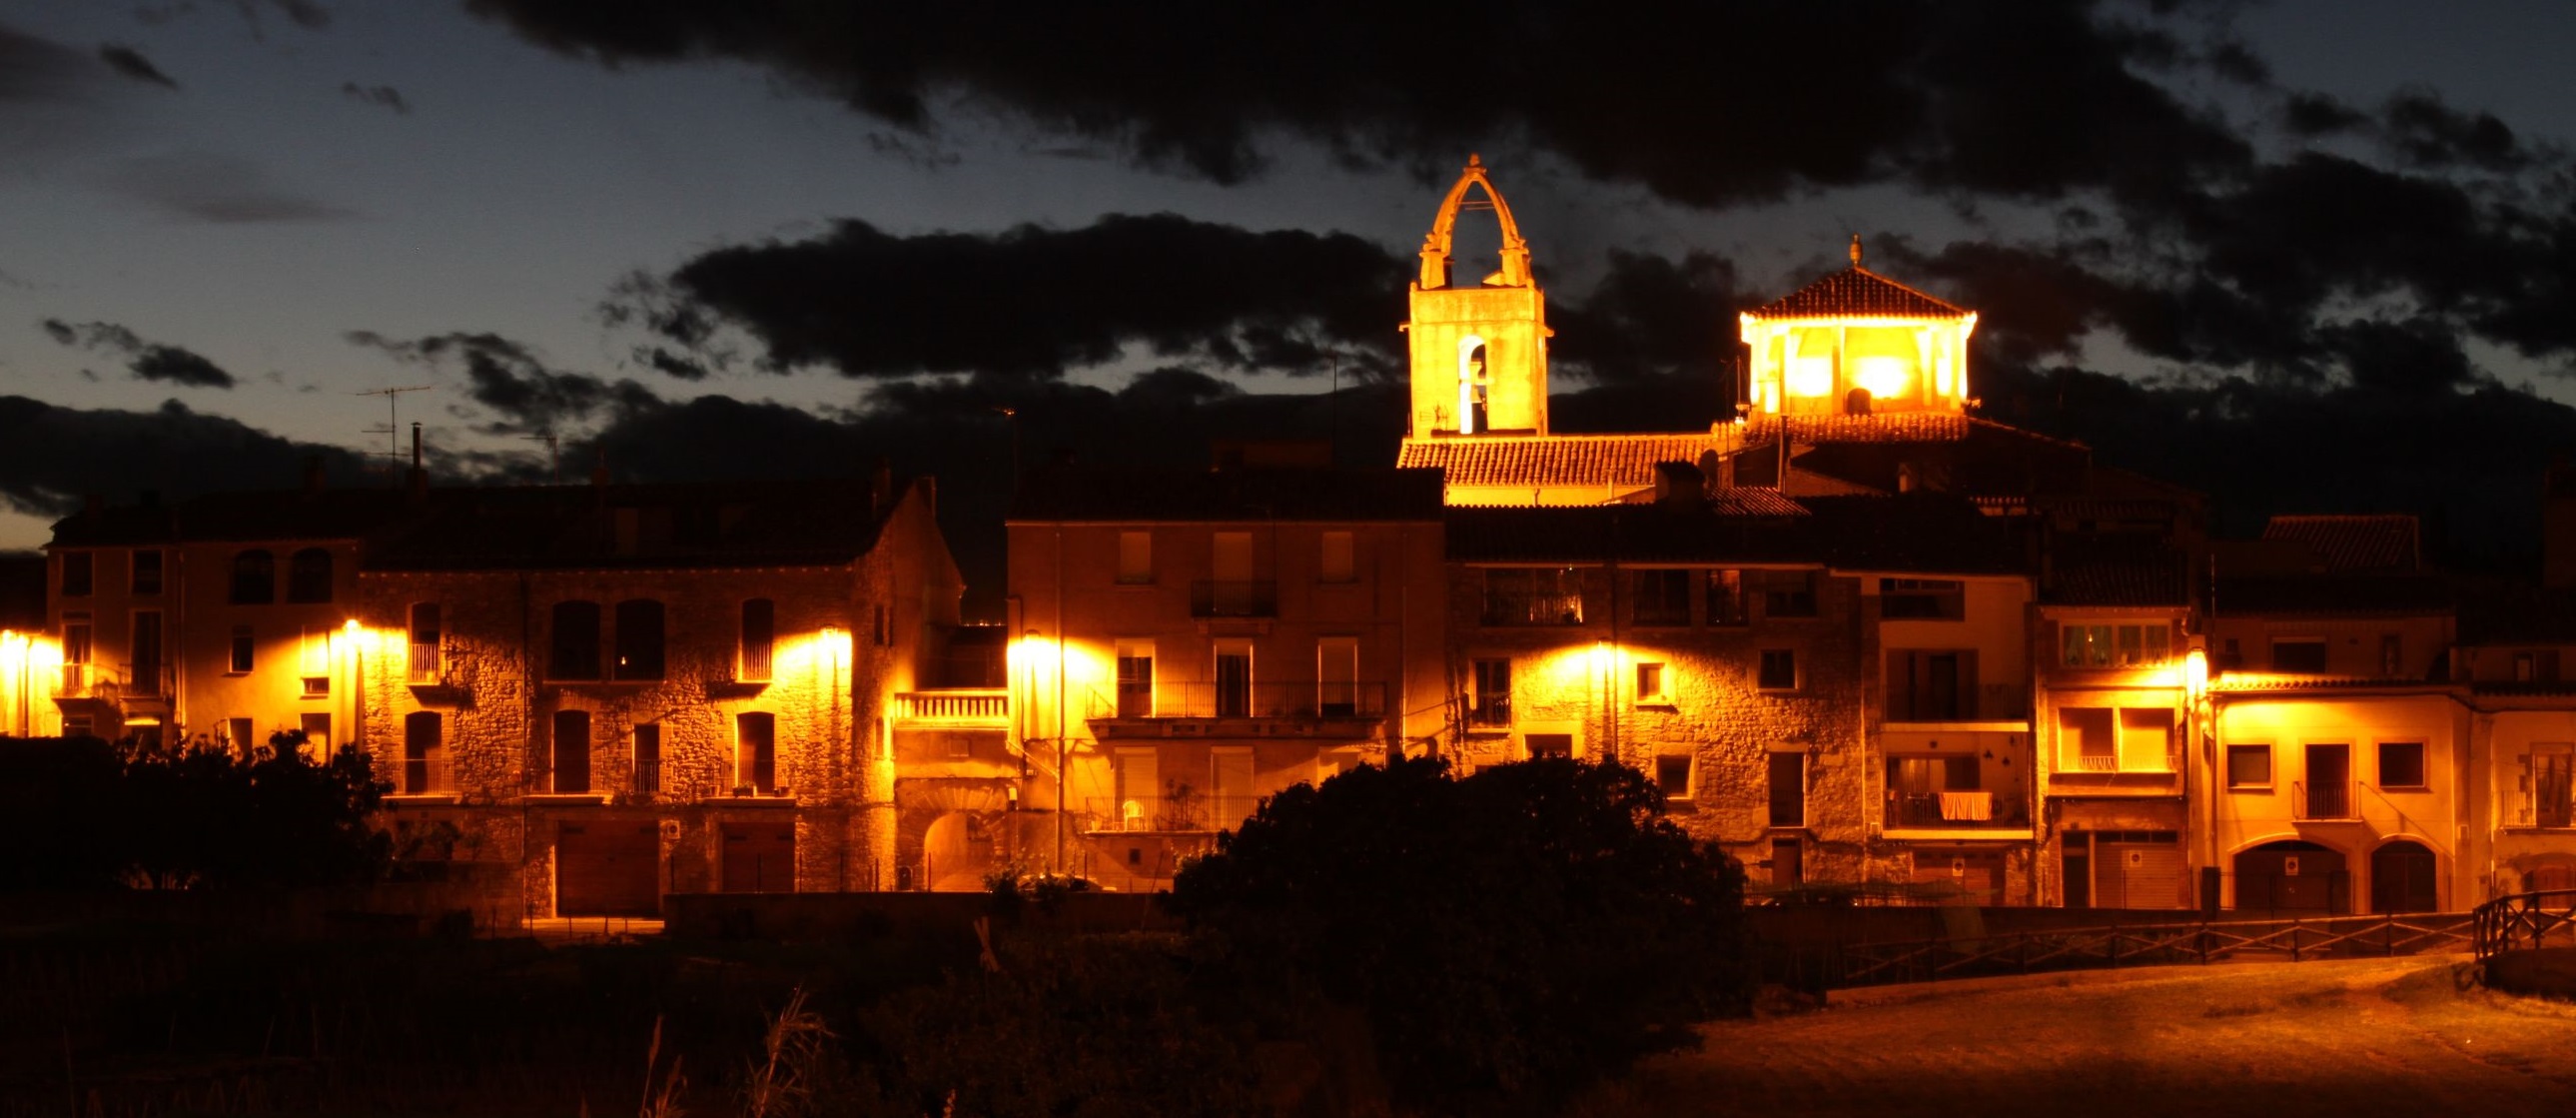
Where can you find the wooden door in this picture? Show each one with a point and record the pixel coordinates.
(760, 857)
(608, 869)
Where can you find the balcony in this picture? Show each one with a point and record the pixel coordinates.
(1971, 810)
(1511, 608)
(1992, 702)
(956, 706)
(1191, 814)
(1300, 701)
(429, 776)
(1234, 598)
(151, 684)
(2331, 800)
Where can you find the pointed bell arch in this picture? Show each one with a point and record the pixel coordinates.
(1436, 247)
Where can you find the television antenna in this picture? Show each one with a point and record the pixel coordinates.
(393, 420)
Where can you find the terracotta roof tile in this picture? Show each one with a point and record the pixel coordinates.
(2374, 542)
(1618, 463)
(1891, 427)
(2245, 682)
(1858, 291)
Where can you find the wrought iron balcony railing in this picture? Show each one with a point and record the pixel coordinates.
(1305, 699)
(1196, 813)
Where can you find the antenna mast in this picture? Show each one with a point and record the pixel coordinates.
(393, 421)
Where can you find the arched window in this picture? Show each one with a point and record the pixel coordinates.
(254, 578)
(308, 576)
(573, 650)
(639, 639)
(1473, 380)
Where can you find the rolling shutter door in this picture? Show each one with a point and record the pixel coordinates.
(2146, 875)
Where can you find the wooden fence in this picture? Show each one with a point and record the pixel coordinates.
(2526, 921)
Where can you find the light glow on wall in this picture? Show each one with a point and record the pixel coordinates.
(1886, 378)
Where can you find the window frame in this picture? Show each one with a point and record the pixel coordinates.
(1671, 598)
(756, 632)
(1660, 694)
(1689, 772)
(640, 652)
(243, 654)
(134, 572)
(1726, 605)
(2271, 766)
(1482, 712)
(2423, 771)
(1762, 671)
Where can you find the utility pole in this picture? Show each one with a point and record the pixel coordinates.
(393, 421)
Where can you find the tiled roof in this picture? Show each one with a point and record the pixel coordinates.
(2114, 572)
(1920, 532)
(1888, 427)
(2330, 595)
(1132, 494)
(1736, 500)
(2375, 542)
(1858, 291)
(1613, 462)
(2244, 682)
(722, 524)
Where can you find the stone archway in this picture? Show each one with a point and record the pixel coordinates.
(2404, 878)
(956, 854)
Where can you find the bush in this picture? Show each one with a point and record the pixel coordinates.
(1509, 938)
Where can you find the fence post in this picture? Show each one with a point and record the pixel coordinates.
(2294, 939)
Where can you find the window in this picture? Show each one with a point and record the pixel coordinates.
(78, 569)
(1788, 775)
(2401, 764)
(1549, 745)
(2305, 654)
(426, 638)
(1661, 597)
(1338, 563)
(1135, 679)
(1533, 596)
(1921, 599)
(1779, 670)
(2085, 735)
(1931, 686)
(1489, 703)
(242, 649)
(573, 652)
(2147, 740)
(1789, 594)
(1673, 777)
(639, 639)
(648, 758)
(2328, 786)
(572, 751)
(2114, 646)
(1233, 679)
(759, 639)
(308, 576)
(2249, 766)
(237, 736)
(76, 653)
(317, 734)
(1650, 685)
(2548, 778)
(1135, 557)
(317, 686)
(755, 751)
(147, 571)
(1337, 673)
(254, 578)
(422, 760)
(1136, 786)
(1726, 597)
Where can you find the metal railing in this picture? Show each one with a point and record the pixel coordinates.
(426, 774)
(2325, 801)
(1302, 699)
(1505, 607)
(426, 665)
(646, 780)
(2526, 922)
(1190, 813)
(93, 680)
(980, 704)
(1234, 598)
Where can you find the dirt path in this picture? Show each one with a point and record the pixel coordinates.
(2348, 1039)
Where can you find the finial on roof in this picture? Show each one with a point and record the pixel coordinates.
(1855, 250)
(1473, 160)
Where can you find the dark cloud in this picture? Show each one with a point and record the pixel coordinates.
(146, 360)
(2425, 132)
(383, 96)
(1034, 301)
(219, 188)
(1651, 316)
(512, 381)
(1854, 92)
(33, 69)
(130, 63)
(50, 456)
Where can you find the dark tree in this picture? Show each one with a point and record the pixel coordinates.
(1508, 938)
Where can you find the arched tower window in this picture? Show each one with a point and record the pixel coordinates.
(1474, 381)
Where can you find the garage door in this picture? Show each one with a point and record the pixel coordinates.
(2140, 875)
(608, 869)
(760, 857)
(1978, 875)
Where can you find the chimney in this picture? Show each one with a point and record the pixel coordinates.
(313, 477)
(1679, 485)
(419, 479)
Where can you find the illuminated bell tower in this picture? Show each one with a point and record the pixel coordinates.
(1480, 352)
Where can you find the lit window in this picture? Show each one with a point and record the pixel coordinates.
(1650, 685)
(2115, 646)
(1533, 596)
(426, 638)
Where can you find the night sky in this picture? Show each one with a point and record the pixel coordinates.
(2306, 256)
